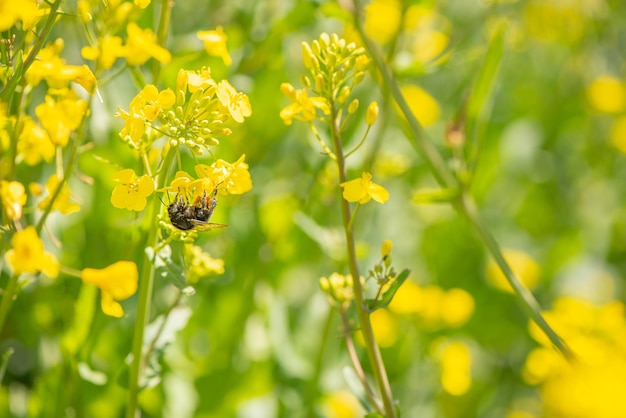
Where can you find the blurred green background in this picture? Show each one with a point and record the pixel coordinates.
(261, 340)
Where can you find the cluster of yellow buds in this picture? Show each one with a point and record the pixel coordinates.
(336, 67)
(196, 114)
(339, 289)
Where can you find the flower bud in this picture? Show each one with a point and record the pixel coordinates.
(385, 249)
(371, 116)
(354, 105)
(343, 95)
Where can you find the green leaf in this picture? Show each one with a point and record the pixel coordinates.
(5, 361)
(387, 297)
(481, 98)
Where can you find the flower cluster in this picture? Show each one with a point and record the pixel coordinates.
(336, 67)
(27, 254)
(339, 289)
(195, 114)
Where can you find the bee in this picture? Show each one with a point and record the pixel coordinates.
(186, 216)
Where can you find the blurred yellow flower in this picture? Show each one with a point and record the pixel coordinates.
(237, 103)
(339, 289)
(105, 53)
(362, 190)
(594, 385)
(13, 196)
(607, 94)
(200, 264)
(382, 19)
(342, 404)
(133, 191)
(215, 44)
(61, 116)
(62, 202)
(12, 11)
(618, 134)
(457, 307)
(27, 254)
(150, 102)
(142, 45)
(456, 363)
(117, 282)
(423, 106)
(523, 265)
(385, 249)
(429, 44)
(407, 299)
(34, 143)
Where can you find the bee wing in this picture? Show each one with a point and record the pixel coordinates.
(205, 226)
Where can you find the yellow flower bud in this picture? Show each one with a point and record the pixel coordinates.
(385, 249)
(372, 113)
(354, 105)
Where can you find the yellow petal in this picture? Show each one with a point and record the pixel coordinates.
(146, 186)
(119, 197)
(125, 176)
(110, 306)
(378, 193)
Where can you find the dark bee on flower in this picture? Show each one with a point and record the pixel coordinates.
(186, 216)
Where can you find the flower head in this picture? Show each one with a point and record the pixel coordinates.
(61, 116)
(302, 107)
(117, 282)
(142, 45)
(27, 254)
(233, 178)
(362, 190)
(13, 197)
(201, 264)
(133, 191)
(62, 202)
(215, 44)
(34, 143)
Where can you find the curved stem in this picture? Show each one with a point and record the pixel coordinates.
(145, 294)
(373, 352)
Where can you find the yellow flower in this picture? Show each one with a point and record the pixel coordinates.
(50, 67)
(133, 191)
(233, 178)
(194, 80)
(524, 267)
(117, 282)
(34, 143)
(150, 102)
(607, 94)
(382, 19)
(27, 254)
(423, 106)
(303, 107)
(385, 327)
(215, 44)
(106, 53)
(339, 288)
(61, 117)
(362, 190)
(456, 361)
(13, 198)
(341, 404)
(142, 45)
(62, 202)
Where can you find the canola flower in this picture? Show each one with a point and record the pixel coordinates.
(362, 190)
(133, 191)
(62, 202)
(116, 282)
(27, 254)
(215, 44)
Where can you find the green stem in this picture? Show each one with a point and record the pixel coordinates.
(9, 88)
(8, 296)
(373, 352)
(164, 25)
(145, 293)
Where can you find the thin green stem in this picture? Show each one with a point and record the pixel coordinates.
(164, 25)
(360, 143)
(375, 358)
(145, 293)
(347, 335)
(8, 297)
(467, 207)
